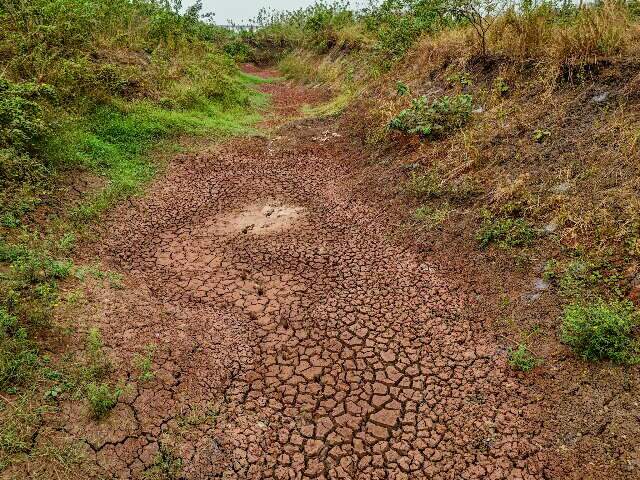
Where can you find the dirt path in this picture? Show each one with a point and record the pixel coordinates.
(293, 340)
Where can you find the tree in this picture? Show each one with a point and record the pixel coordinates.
(481, 15)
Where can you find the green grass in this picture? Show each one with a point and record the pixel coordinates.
(102, 399)
(429, 217)
(332, 108)
(117, 140)
(505, 232)
(601, 331)
(144, 364)
(249, 79)
(427, 185)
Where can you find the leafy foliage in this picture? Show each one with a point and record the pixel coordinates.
(102, 398)
(505, 232)
(434, 119)
(521, 358)
(601, 330)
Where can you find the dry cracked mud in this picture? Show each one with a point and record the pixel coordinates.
(293, 339)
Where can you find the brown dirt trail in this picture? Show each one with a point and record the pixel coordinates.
(293, 338)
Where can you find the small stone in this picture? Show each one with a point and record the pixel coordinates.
(561, 187)
(600, 98)
(540, 285)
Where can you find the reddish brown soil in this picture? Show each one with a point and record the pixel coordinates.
(318, 348)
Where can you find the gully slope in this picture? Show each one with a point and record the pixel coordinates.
(293, 338)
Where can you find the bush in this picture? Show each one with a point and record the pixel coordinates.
(102, 398)
(434, 119)
(601, 330)
(506, 232)
(397, 24)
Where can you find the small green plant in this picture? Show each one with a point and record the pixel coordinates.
(601, 330)
(429, 217)
(505, 232)
(9, 220)
(98, 364)
(584, 277)
(434, 119)
(115, 280)
(500, 87)
(540, 135)
(427, 185)
(460, 78)
(102, 398)
(402, 89)
(144, 364)
(167, 465)
(521, 358)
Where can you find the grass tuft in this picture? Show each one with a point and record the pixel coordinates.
(505, 232)
(102, 398)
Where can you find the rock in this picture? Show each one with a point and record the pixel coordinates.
(478, 110)
(550, 227)
(561, 188)
(600, 98)
(540, 285)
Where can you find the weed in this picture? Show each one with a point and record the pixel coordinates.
(167, 465)
(9, 220)
(430, 217)
(584, 277)
(462, 78)
(402, 89)
(600, 330)
(102, 398)
(521, 358)
(435, 119)
(505, 232)
(540, 135)
(500, 87)
(428, 185)
(144, 364)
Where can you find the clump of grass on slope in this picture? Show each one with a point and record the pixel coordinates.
(506, 232)
(601, 331)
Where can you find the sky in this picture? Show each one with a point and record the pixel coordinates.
(239, 11)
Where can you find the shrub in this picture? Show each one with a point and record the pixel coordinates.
(102, 398)
(506, 232)
(397, 24)
(601, 330)
(434, 119)
(521, 358)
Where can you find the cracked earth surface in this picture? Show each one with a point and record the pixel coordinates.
(294, 340)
